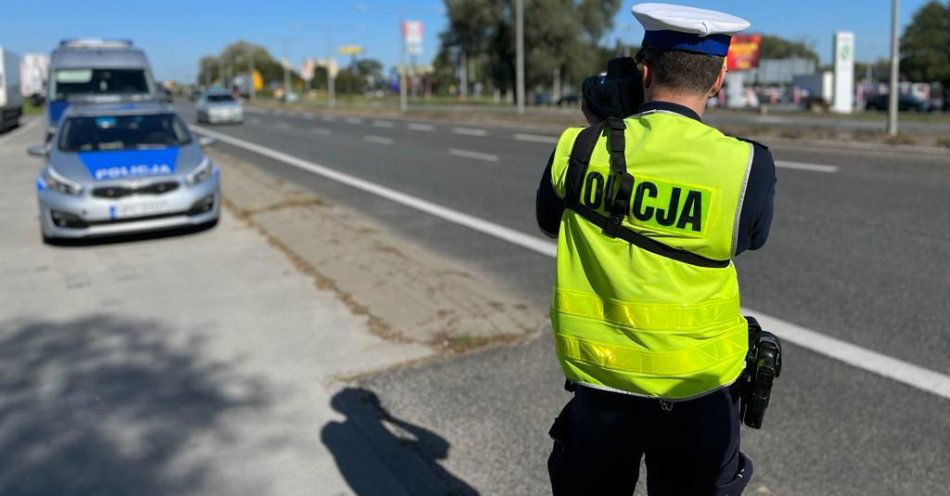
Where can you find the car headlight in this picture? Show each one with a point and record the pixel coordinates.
(58, 182)
(205, 170)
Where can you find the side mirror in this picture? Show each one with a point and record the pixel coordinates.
(38, 151)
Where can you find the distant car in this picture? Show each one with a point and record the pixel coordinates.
(164, 94)
(543, 99)
(219, 107)
(289, 97)
(569, 100)
(904, 103)
(118, 169)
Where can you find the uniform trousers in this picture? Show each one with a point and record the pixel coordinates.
(691, 447)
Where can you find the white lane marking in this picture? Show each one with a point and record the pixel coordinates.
(536, 138)
(308, 115)
(283, 125)
(22, 129)
(382, 124)
(380, 140)
(475, 155)
(353, 120)
(807, 167)
(322, 131)
(836, 349)
(532, 243)
(856, 356)
(467, 131)
(421, 127)
(254, 120)
(329, 118)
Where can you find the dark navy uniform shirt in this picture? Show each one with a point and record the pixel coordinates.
(756, 216)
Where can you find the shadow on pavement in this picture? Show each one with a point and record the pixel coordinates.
(375, 461)
(132, 237)
(104, 405)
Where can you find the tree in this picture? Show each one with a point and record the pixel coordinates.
(925, 55)
(559, 34)
(776, 47)
(236, 57)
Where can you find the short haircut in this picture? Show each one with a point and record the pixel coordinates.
(683, 71)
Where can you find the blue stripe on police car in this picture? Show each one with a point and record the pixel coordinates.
(121, 164)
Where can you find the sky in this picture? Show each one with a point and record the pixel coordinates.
(176, 34)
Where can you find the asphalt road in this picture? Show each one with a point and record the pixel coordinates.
(858, 252)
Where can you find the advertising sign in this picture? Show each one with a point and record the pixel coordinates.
(743, 52)
(843, 101)
(350, 50)
(412, 37)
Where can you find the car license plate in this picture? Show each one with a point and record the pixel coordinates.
(140, 209)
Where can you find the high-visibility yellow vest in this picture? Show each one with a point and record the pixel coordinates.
(634, 320)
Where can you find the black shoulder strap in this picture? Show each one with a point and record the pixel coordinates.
(618, 207)
(577, 164)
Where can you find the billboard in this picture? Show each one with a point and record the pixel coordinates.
(743, 52)
(412, 37)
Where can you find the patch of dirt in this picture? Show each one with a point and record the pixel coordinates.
(406, 292)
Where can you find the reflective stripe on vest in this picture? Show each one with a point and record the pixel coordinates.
(628, 318)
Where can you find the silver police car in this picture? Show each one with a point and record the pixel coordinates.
(123, 168)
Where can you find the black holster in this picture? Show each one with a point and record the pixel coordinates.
(763, 366)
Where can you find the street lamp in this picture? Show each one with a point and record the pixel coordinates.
(519, 48)
(895, 71)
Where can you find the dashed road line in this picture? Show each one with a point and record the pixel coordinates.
(308, 115)
(487, 157)
(415, 126)
(254, 120)
(536, 138)
(353, 120)
(322, 131)
(898, 370)
(329, 118)
(379, 140)
(467, 131)
(382, 124)
(283, 125)
(806, 167)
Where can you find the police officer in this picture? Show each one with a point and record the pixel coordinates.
(648, 213)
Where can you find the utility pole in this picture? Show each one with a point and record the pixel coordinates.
(331, 81)
(895, 71)
(403, 97)
(519, 35)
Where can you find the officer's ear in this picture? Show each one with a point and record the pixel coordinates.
(717, 86)
(647, 75)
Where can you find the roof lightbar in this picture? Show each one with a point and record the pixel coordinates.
(95, 43)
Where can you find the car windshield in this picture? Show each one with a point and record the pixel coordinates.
(220, 98)
(123, 132)
(68, 82)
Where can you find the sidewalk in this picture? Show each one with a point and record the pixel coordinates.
(195, 363)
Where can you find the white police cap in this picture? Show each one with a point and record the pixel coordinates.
(688, 29)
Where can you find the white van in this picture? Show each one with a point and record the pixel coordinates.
(96, 70)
